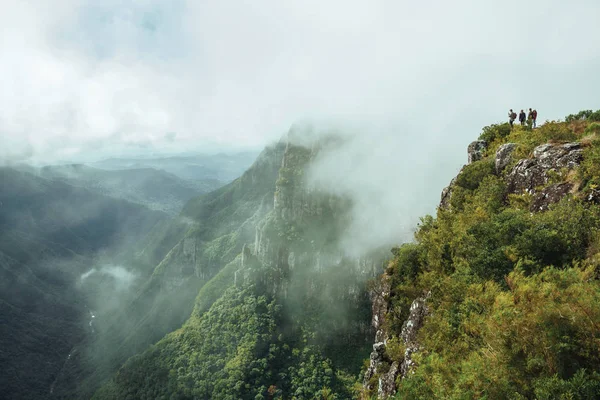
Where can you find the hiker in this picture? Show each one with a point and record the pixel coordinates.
(511, 117)
(522, 117)
(534, 117)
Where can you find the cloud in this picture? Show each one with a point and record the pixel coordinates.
(85, 79)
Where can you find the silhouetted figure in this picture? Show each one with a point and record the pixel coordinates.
(522, 118)
(534, 117)
(511, 117)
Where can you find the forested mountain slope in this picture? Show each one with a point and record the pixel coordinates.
(50, 235)
(499, 295)
(207, 236)
(278, 321)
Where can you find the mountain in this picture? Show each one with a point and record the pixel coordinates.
(52, 234)
(499, 295)
(277, 319)
(249, 294)
(216, 227)
(220, 167)
(153, 188)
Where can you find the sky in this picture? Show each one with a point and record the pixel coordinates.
(414, 82)
(84, 79)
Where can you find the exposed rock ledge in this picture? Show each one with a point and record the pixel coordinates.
(529, 175)
(386, 384)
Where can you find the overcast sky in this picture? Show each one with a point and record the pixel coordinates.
(85, 79)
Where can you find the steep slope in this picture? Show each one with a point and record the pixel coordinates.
(288, 307)
(216, 226)
(50, 235)
(153, 188)
(499, 296)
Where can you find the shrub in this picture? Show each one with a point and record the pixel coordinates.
(592, 128)
(407, 261)
(495, 131)
(587, 115)
(472, 175)
(589, 171)
(558, 132)
(582, 386)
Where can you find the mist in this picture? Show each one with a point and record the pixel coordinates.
(391, 181)
(84, 81)
(123, 278)
(412, 84)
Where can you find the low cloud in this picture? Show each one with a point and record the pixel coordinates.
(83, 80)
(123, 278)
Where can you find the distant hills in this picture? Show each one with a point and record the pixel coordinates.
(156, 189)
(195, 168)
(162, 184)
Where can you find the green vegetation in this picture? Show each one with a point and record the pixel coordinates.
(586, 115)
(50, 234)
(246, 358)
(200, 244)
(257, 302)
(514, 306)
(284, 329)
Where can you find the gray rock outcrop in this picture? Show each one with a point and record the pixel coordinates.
(386, 382)
(475, 150)
(504, 156)
(531, 173)
(410, 330)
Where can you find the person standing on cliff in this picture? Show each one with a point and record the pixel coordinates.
(511, 117)
(534, 117)
(522, 118)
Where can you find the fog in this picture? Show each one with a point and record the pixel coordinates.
(122, 277)
(390, 181)
(83, 80)
(412, 83)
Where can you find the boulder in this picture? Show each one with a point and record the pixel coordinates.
(475, 150)
(533, 172)
(550, 195)
(504, 156)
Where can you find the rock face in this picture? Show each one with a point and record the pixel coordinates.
(410, 329)
(447, 193)
(380, 308)
(549, 195)
(475, 150)
(593, 196)
(503, 156)
(386, 382)
(530, 173)
(279, 241)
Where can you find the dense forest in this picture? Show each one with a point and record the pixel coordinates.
(289, 317)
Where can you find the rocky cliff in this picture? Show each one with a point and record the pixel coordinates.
(521, 210)
(314, 300)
